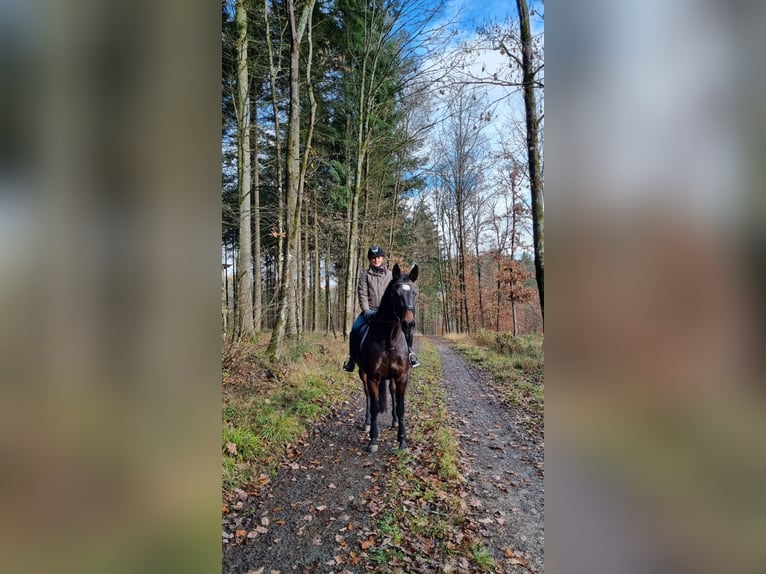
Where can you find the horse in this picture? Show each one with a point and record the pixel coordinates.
(384, 356)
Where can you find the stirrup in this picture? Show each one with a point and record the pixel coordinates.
(414, 360)
(349, 365)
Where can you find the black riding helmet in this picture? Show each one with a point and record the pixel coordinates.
(375, 251)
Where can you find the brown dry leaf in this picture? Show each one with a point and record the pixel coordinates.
(231, 448)
(369, 543)
(322, 507)
(264, 521)
(259, 571)
(240, 533)
(485, 520)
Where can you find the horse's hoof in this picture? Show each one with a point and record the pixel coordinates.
(366, 428)
(372, 448)
(403, 446)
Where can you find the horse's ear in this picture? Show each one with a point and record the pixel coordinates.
(414, 273)
(396, 272)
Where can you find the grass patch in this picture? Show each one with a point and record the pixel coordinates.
(268, 406)
(482, 557)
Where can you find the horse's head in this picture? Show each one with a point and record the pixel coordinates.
(403, 292)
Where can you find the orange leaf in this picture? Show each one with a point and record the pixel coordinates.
(365, 544)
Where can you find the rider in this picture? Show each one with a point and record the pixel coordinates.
(372, 284)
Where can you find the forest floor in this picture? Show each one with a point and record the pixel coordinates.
(467, 497)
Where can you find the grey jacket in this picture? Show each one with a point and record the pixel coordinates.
(372, 285)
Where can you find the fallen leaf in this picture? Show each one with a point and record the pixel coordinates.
(321, 507)
(264, 521)
(485, 520)
(369, 543)
(240, 533)
(231, 448)
(259, 571)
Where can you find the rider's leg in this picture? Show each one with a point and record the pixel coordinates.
(413, 357)
(350, 365)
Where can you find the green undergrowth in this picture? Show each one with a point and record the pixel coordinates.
(516, 365)
(268, 406)
(423, 528)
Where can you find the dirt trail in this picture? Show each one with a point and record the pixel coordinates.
(320, 504)
(503, 467)
(316, 514)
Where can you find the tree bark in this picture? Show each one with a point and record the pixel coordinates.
(287, 285)
(245, 259)
(533, 151)
(256, 217)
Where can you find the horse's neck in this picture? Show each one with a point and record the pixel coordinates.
(388, 323)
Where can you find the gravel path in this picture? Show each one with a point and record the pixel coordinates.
(503, 467)
(320, 505)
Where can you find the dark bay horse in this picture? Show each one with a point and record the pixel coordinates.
(384, 357)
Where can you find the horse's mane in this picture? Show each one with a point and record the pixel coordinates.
(385, 298)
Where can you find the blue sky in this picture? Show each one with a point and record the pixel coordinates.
(471, 13)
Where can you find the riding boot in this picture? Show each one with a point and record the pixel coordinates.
(413, 357)
(349, 365)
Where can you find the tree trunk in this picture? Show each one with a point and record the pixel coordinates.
(256, 216)
(279, 231)
(287, 284)
(245, 265)
(533, 152)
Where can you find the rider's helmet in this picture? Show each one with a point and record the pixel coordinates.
(375, 251)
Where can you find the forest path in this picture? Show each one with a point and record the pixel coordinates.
(502, 465)
(321, 510)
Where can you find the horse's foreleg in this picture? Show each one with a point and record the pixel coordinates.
(401, 434)
(372, 391)
(365, 426)
(394, 414)
(366, 412)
